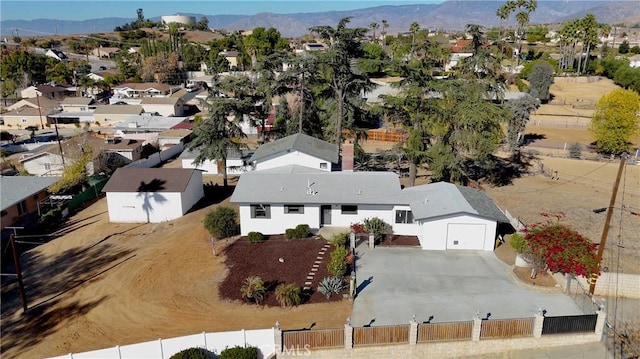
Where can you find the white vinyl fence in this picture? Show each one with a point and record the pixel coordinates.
(263, 339)
(157, 158)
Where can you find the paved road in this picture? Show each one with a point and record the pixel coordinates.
(450, 286)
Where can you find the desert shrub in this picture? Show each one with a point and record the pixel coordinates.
(253, 289)
(193, 353)
(239, 352)
(255, 237)
(517, 242)
(222, 222)
(290, 233)
(337, 265)
(378, 227)
(339, 239)
(575, 150)
(522, 86)
(302, 231)
(330, 285)
(288, 295)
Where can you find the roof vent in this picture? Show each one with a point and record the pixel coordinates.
(310, 190)
(359, 191)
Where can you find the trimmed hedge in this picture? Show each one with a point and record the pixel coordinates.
(255, 237)
(239, 352)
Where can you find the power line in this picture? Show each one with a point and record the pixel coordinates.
(563, 183)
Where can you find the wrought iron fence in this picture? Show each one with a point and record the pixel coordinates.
(569, 324)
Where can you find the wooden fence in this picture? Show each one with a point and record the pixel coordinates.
(444, 331)
(506, 328)
(386, 136)
(569, 324)
(314, 339)
(391, 334)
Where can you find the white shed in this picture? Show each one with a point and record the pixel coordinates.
(152, 195)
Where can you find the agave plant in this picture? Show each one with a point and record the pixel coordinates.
(253, 289)
(288, 295)
(330, 285)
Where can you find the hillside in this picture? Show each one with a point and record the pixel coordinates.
(449, 15)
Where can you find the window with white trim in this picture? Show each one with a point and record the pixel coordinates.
(260, 211)
(294, 209)
(404, 216)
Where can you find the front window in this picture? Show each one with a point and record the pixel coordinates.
(260, 211)
(348, 209)
(294, 208)
(323, 165)
(22, 208)
(404, 216)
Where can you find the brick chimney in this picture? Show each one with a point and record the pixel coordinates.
(347, 156)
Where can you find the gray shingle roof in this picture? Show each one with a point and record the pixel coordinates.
(298, 142)
(442, 199)
(132, 179)
(298, 184)
(17, 188)
(189, 154)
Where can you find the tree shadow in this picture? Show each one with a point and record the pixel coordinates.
(49, 281)
(499, 171)
(149, 193)
(530, 138)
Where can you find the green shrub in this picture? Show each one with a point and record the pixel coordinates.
(522, 86)
(222, 222)
(575, 150)
(330, 285)
(52, 217)
(302, 231)
(337, 265)
(517, 242)
(255, 237)
(288, 295)
(193, 353)
(339, 239)
(378, 227)
(290, 233)
(253, 289)
(238, 352)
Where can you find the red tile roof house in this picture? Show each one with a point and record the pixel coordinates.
(152, 195)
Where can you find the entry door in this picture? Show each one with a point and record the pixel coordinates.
(325, 215)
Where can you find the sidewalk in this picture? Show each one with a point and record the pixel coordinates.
(584, 351)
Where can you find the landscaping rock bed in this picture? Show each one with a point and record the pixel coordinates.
(396, 240)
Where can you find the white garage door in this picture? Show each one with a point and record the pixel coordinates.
(465, 236)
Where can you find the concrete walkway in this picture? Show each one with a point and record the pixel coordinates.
(442, 286)
(582, 351)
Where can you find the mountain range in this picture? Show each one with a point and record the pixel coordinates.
(449, 15)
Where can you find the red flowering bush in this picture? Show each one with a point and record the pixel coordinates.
(559, 248)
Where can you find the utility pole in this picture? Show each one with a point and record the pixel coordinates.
(607, 224)
(16, 263)
(39, 108)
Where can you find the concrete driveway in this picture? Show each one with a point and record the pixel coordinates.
(447, 286)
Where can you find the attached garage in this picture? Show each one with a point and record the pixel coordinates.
(451, 217)
(152, 195)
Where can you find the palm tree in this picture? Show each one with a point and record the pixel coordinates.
(385, 26)
(526, 7)
(414, 28)
(253, 289)
(374, 25)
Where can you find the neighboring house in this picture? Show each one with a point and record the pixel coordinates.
(174, 137)
(48, 161)
(237, 163)
(106, 52)
(312, 47)
(147, 122)
(232, 57)
(52, 92)
(299, 149)
(164, 106)
(20, 196)
(75, 110)
(459, 51)
(25, 117)
(147, 89)
(77, 104)
(35, 102)
(634, 61)
(152, 195)
(442, 215)
(56, 54)
(112, 113)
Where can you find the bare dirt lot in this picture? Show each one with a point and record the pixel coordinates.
(104, 284)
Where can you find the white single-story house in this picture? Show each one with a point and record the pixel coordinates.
(237, 163)
(299, 149)
(164, 106)
(147, 89)
(56, 54)
(152, 195)
(634, 61)
(442, 215)
(104, 114)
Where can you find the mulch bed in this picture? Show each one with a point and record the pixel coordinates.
(245, 259)
(396, 240)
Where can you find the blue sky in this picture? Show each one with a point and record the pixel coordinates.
(91, 9)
